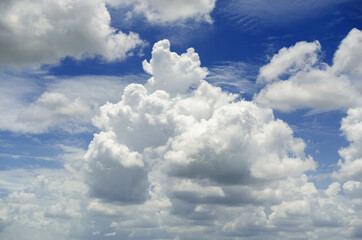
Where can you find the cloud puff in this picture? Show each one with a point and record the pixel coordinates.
(38, 32)
(171, 72)
(300, 57)
(297, 79)
(164, 11)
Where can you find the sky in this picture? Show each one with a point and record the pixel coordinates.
(193, 119)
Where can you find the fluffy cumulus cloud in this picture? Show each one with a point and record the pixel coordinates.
(297, 78)
(202, 133)
(164, 11)
(171, 72)
(37, 32)
(179, 158)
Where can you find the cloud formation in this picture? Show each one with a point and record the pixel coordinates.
(203, 149)
(175, 161)
(296, 77)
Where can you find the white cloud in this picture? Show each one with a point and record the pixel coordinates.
(300, 57)
(52, 109)
(43, 32)
(115, 173)
(351, 162)
(164, 11)
(347, 59)
(110, 234)
(200, 145)
(297, 79)
(333, 189)
(171, 72)
(100, 208)
(68, 103)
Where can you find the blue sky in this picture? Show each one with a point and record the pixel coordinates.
(205, 119)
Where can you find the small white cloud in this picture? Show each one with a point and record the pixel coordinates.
(300, 57)
(164, 11)
(111, 234)
(333, 189)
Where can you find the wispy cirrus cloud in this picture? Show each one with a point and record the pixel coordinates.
(256, 14)
(235, 76)
(163, 11)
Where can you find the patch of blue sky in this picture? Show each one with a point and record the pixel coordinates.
(321, 132)
(33, 151)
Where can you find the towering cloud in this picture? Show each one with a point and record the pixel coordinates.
(198, 144)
